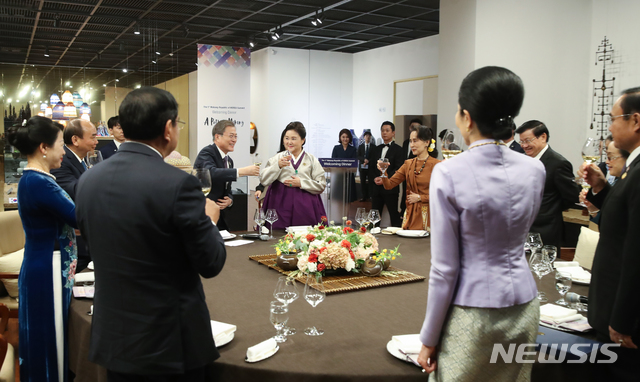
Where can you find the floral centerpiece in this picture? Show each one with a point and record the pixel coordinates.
(322, 248)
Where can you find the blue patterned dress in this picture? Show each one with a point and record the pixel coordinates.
(45, 284)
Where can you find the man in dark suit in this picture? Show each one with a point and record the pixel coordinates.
(390, 150)
(614, 301)
(80, 137)
(364, 153)
(511, 142)
(560, 190)
(215, 158)
(118, 138)
(151, 321)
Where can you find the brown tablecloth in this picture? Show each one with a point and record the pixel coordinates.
(357, 324)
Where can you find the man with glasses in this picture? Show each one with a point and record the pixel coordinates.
(560, 190)
(614, 303)
(215, 158)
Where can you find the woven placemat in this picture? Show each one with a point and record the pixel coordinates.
(350, 282)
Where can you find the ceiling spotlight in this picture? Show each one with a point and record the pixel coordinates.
(154, 61)
(67, 83)
(274, 36)
(105, 85)
(138, 86)
(46, 51)
(185, 31)
(122, 46)
(136, 29)
(125, 70)
(117, 80)
(158, 53)
(56, 21)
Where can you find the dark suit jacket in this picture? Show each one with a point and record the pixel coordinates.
(151, 241)
(221, 177)
(361, 156)
(69, 172)
(615, 276)
(515, 146)
(560, 193)
(108, 150)
(396, 159)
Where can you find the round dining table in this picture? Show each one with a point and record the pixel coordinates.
(357, 324)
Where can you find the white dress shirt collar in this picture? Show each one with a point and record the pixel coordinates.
(76, 155)
(634, 154)
(117, 144)
(542, 151)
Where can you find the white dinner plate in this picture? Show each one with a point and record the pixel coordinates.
(264, 356)
(392, 348)
(229, 237)
(581, 282)
(225, 340)
(412, 233)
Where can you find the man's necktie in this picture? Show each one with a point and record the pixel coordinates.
(366, 151)
(226, 161)
(84, 165)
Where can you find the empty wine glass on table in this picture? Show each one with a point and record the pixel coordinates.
(92, 158)
(551, 252)
(450, 145)
(563, 284)
(533, 243)
(361, 213)
(539, 264)
(279, 315)
(258, 217)
(314, 294)
(384, 165)
(272, 217)
(286, 292)
(374, 217)
(204, 177)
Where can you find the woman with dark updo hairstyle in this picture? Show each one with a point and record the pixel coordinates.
(417, 172)
(46, 278)
(481, 291)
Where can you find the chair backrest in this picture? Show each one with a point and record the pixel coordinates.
(586, 247)
(11, 232)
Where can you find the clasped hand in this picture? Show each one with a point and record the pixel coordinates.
(593, 176)
(284, 161)
(224, 202)
(293, 182)
(412, 198)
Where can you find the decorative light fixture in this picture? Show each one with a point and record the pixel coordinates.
(70, 111)
(58, 111)
(48, 112)
(67, 97)
(43, 106)
(85, 108)
(85, 117)
(54, 99)
(77, 99)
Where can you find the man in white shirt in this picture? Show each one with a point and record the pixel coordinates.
(118, 138)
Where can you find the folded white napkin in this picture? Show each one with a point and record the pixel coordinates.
(225, 234)
(563, 264)
(221, 331)
(375, 230)
(411, 232)
(261, 350)
(551, 312)
(408, 343)
(85, 277)
(577, 273)
(90, 265)
(265, 230)
(391, 230)
(298, 228)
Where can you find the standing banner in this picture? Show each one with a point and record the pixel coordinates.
(224, 76)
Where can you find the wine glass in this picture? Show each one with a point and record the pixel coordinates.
(361, 213)
(539, 264)
(374, 217)
(279, 315)
(286, 292)
(551, 252)
(314, 294)
(258, 217)
(204, 177)
(271, 217)
(257, 161)
(450, 145)
(534, 241)
(591, 151)
(563, 284)
(384, 164)
(92, 158)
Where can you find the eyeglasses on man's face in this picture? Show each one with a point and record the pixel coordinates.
(611, 118)
(527, 141)
(181, 123)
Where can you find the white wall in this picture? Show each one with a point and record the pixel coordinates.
(456, 56)
(374, 72)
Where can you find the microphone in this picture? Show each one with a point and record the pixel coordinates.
(574, 297)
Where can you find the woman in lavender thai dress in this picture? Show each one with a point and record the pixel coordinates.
(296, 180)
(483, 202)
